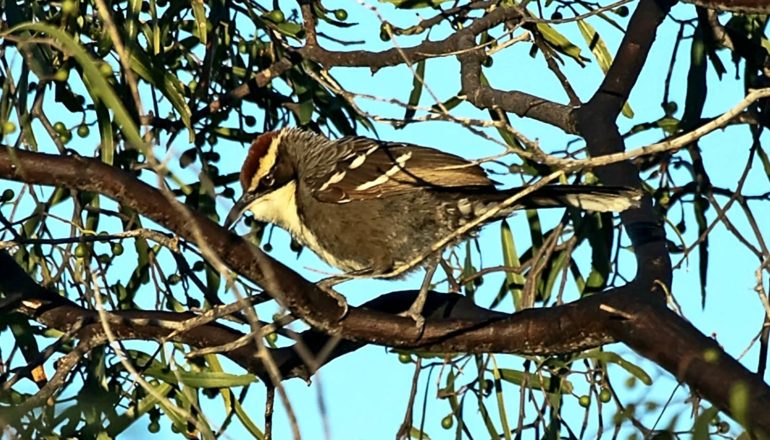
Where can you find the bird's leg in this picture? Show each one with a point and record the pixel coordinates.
(454, 286)
(327, 285)
(415, 311)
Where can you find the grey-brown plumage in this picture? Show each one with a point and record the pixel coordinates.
(367, 205)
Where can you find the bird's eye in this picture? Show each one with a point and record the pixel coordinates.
(268, 180)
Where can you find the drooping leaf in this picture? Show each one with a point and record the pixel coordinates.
(514, 281)
(414, 96)
(560, 43)
(95, 82)
(614, 358)
(602, 55)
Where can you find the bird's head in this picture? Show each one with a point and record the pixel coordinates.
(266, 169)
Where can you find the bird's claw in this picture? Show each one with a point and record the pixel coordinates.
(343, 303)
(416, 316)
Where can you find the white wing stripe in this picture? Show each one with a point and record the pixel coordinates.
(335, 178)
(400, 161)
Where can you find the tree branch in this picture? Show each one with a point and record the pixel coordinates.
(628, 314)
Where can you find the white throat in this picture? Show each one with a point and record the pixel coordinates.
(280, 208)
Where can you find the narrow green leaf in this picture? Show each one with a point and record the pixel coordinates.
(614, 358)
(200, 379)
(695, 98)
(166, 82)
(468, 271)
(765, 160)
(699, 208)
(532, 381)
(596, 45)
(132, 18)
(602, 55)
(136, 411)
(96, 84)
(288, 28)
(37, 56)
(514, 281)
(199, 12)
(700, 430)
(558, 263)
(560, 43)
(449, 104)
(500, 400)
(414, 96)
(305, 112)
(107, 145)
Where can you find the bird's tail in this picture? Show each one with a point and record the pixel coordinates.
(589, 198)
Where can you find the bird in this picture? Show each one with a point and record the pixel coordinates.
(368, 206)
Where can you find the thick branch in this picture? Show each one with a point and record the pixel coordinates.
(596, 122)
(628, 314)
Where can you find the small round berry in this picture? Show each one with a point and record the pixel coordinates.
(341, 14)
(83, 130)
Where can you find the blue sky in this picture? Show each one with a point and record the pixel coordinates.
(365, 392)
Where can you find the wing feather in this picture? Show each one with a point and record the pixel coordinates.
(374, 169)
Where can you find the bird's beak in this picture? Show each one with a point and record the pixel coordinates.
(239, 208)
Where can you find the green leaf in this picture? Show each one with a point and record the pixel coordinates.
(468, 271)
(560, 43)
(37, 56)
(199, 12)
(95, 82)
(289, 28)
(491, 429)
(249, 424)
(500, 400)
(596, 45)
(107, 145)
(414, 96)
(136, 410)
(305, 114)
(699, 208)
(514, 281)
(765, 160)
(200, 379)
(536, 382)
(447, 105)
(696, 82)
(166, 82)
(614, 358)
(602, 55)
(600, 236)
(700, 430)
(558, 263)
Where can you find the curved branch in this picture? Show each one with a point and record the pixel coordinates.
(629, 314)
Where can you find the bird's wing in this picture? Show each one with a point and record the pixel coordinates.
(374, 169)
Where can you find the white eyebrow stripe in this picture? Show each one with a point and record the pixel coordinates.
(335, 178)
(400, 161)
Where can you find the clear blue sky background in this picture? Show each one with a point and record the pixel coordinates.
(365, 392)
